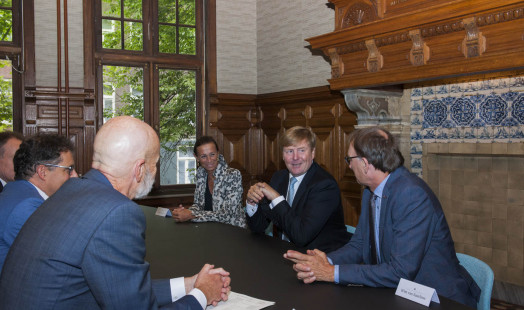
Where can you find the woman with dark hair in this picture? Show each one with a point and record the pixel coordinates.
(218, 192)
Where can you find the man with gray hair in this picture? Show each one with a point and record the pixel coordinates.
(9, 143)
(92, 255)
(302, 201)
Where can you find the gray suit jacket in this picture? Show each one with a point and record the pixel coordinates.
(415, 243)
(84, 249)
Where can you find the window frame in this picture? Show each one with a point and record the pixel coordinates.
(15, 51)
(152, 61)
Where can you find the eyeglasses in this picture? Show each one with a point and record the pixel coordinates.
(349, 158)
(70, 168)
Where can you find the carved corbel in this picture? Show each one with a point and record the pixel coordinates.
(474, 44)
(419, 54)
(375, 60)
(337, 66)
(374, 107)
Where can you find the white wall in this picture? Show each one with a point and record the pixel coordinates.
(261, 45)
(236, 46)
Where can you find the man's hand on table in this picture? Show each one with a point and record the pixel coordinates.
(313, 266)
(214, 283)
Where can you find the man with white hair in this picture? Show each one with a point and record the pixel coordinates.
(84, 247)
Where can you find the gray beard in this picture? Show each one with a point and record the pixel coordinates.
(145, 187)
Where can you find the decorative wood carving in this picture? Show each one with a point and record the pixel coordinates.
(375, 60)
(359, 13)
(456, 31)
(337, 67)
(355, 12)
(419, 53)
(474, 44)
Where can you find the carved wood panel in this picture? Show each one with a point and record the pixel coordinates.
(41, 115)
(413, 40)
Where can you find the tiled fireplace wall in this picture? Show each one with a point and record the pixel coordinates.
(467, 142)
(482, 194)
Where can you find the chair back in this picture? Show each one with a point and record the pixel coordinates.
(350, 229)
(483, 276)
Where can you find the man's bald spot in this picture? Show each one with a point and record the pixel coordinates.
(383, 133)
(121, 142)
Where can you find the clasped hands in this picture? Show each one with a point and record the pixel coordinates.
(312, 266)
(181, 214)
(260, 190)
(215, 283)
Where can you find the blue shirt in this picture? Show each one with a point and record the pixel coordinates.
(378, 202)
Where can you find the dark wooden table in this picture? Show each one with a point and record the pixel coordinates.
(257, 267)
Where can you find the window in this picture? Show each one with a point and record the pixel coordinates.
(149, 56)
(6, 20)
(6, 96)
(10, 60)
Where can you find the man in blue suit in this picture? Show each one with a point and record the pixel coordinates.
(42, 164)
(9, 143)
(84, 247)
(401, 233)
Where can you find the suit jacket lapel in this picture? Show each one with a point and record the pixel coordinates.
(384, 205)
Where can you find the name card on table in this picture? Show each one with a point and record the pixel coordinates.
(416, 292)
(163, 212)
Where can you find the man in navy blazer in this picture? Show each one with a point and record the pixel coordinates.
(401, 233)
(42, 164)
(311, 215)
(84, 247)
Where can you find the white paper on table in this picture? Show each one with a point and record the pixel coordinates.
(236, 301)
(163, 212)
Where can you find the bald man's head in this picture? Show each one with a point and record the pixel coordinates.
(121, 143)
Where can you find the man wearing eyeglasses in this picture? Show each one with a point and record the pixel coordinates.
(42, 164)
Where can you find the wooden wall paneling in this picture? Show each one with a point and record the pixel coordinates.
(271, 125)
(230, 122)
(42, 116)
(321, 119)
(326, 113)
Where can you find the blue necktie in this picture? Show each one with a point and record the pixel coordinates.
(291, 190)
(374, 230)
(289, 198)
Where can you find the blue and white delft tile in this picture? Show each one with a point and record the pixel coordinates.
(484, 111)
(416, 93)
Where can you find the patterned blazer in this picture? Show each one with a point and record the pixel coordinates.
(227, 196)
